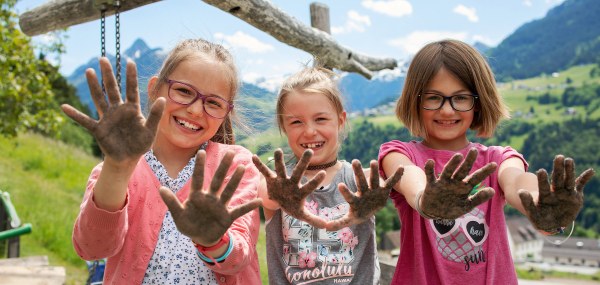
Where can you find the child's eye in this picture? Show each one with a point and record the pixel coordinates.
(185, 91)
(433, 97)
(295, 122)
(321, 119)
(460, 98)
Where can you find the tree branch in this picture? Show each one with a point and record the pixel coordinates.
(60, 14)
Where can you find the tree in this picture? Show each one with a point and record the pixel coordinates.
(26, 97)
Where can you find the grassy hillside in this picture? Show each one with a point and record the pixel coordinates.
(46, 180)
(515, 94)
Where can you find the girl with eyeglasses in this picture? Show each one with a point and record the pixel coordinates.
(174, 201)
(451, 209)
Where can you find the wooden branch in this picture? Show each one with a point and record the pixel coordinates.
(61, 14)
(287, 29)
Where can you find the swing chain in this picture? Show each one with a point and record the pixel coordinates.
(102, 5)
(103, 32)
(118, 41)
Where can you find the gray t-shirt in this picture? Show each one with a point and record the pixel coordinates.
(298, 253)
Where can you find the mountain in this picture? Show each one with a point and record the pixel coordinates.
(481, 47)
(148, 61)
(256, 103)
(568, 35)
(361, 93)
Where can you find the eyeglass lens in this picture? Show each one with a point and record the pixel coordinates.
(460, 102)
(184, 94)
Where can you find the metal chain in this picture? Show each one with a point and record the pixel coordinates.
(118, 42)
(103, 38)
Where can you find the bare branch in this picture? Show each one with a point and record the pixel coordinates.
(60, 14)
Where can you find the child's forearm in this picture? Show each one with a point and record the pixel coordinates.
(519, 179)
(110, 190)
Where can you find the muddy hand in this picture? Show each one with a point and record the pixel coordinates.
(204, 216)
(447, 197)
(559, 200)
(122, 132)
(369, 198)
(287, 191)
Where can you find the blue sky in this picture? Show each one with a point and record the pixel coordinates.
(392, 28)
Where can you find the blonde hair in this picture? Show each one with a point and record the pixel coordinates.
(311, 80)
(190, 48)
(470, 68)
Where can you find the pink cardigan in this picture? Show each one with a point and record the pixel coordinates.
(128, 237)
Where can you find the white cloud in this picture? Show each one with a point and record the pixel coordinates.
(527, 3)
(388, 75)
(244, 41)
(483, 39)
(271, 83)
(355, 23)
(416, 40)
(470, 13)
(394, 8)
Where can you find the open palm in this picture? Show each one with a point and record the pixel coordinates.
(448, 197)
(204, 216)
(287, 191)
(122, 132)
(369, 197)
(560, 199)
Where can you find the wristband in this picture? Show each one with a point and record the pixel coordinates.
(210, 260)
(223, 241)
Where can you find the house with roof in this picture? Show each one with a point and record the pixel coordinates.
(525, 242)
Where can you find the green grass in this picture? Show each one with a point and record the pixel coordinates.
(536, 274)
(46, 180)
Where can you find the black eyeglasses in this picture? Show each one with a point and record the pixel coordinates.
(459, 102)
(185, 94)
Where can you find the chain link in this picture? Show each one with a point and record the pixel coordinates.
(118, 42)
(103, 39)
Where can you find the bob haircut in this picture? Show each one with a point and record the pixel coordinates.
(469, 66)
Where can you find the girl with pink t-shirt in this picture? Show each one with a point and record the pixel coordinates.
(453, 226)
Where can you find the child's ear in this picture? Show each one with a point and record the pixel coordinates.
(151, 85)
(342, 119)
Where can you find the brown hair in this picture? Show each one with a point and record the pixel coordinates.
(311, 80)
(204, 49)
(470, 68)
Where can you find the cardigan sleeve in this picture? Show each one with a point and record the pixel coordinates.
(98, 233)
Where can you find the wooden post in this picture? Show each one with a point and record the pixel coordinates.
(262, 14)
(319, 17)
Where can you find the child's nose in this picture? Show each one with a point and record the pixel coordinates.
(310, 129)
(446, 107)
(196, 108)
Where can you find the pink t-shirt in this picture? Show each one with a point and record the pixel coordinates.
(472, 249)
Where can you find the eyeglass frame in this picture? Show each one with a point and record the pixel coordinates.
(200, 96)
(449, 98)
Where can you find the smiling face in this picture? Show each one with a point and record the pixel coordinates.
(445, 127)
(186, 127)
(311, 121)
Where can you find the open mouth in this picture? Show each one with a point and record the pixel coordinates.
(188, 125)
(447, 122)
(312, 145)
